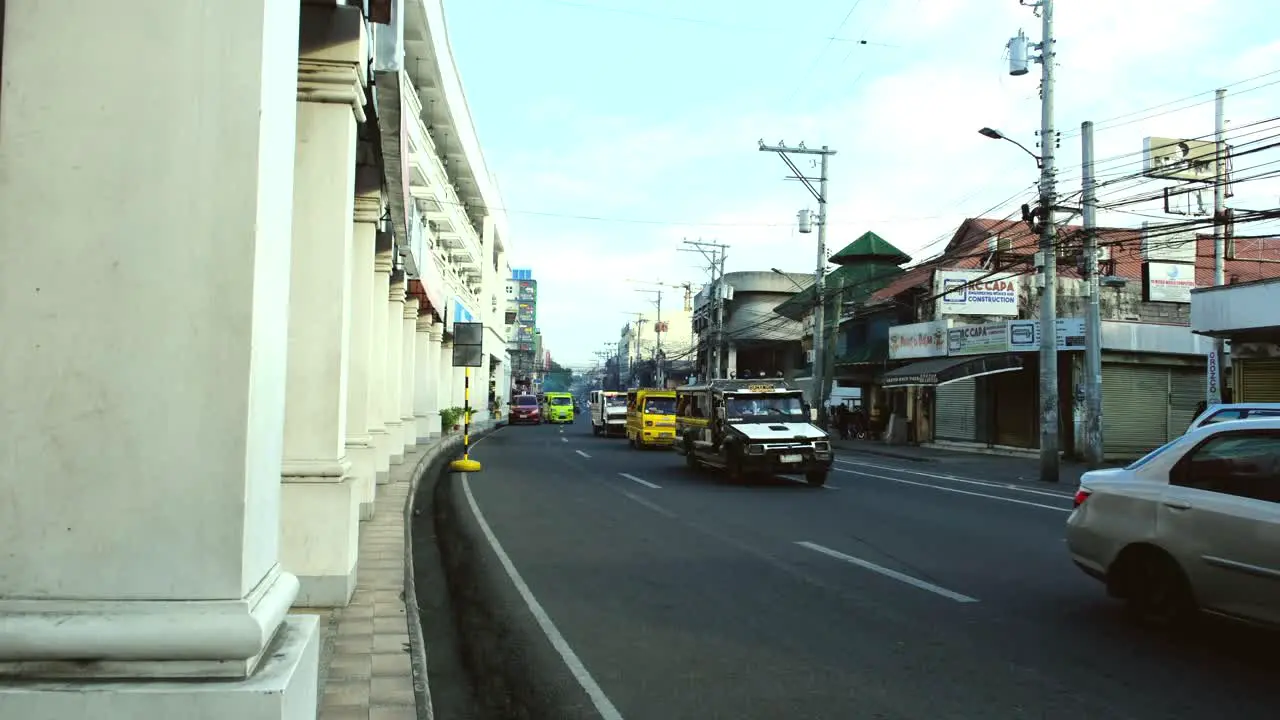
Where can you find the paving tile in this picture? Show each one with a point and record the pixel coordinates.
(354, 626)
(344, 713)
(391, 691)
(351, 667)
(390, 642)
(383, 625)
(397, 664)
(347, 693)
(393, 712)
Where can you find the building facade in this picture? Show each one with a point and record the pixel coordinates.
(753, 338)
(276, 253)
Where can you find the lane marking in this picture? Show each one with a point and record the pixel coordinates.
(582, 453)
(957, 491)
(651, 505)
(958, 479)
(635, 479)
(580, 673)
(900, 577)
(564, 439)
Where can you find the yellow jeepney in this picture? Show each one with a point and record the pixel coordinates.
(651, 417)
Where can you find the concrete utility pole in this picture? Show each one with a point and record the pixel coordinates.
(1093, 441)
(659, 374)
(821, 378)
(1047, 255)
(714, 253)
(1213, 379)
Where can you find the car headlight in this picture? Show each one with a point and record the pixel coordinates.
(755, 449)
(822, 446)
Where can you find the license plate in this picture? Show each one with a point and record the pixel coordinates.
(791, 458)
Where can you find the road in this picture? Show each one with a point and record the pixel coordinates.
(895, 592)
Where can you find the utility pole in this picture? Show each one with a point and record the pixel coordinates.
(1093, 442)
(659, 375)
(714, 253)
(1213, 378)
(1047, 255)
(821, 378)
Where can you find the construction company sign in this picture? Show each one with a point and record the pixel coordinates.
(918, 340)
(978, 339)
(976, 292)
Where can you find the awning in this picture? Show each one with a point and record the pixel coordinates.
(944, 370)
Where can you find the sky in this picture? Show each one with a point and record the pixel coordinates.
(617, 128)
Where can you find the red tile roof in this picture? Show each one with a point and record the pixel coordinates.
(968, 249)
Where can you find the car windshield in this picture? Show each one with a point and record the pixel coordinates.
(660, 406)
(526, 401)
(561, 401)
(789, 407)
(615, 401)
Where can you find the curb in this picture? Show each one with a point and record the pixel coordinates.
(433, 458)
(887, 453)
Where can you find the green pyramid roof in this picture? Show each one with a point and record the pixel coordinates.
(870, 246)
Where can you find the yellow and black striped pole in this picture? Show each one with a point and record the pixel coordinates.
(466, 464)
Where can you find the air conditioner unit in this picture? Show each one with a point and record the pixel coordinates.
(1104, 252)
(996, 243)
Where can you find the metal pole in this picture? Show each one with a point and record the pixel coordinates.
(820, 300)
(657, 354)
(720, 291)
(1048, 232)
(1093, 441)
(466, 413)
(1213, 379)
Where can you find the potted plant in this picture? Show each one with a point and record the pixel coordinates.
(451, 419)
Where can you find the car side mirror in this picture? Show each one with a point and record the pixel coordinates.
(720, 413)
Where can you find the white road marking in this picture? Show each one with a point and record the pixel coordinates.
(564, 439)
(955, 478)
(582, 453)
(635, 479)
(958, 491)
(900, 577)
(601, 701)
(650, 504)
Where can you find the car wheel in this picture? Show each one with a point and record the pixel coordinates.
(1157, 591)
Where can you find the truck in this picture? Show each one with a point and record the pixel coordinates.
(749, 428)
(608, 413)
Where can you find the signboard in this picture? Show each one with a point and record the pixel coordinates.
(1160, 244)
(1024, 335)
(458, 313)
(978, 339)
(1178, 159)
(976, 292)
(468, 344)
(1212, 391)
(1168, 282)
(918, 340)
(525, 312)
(527, 290)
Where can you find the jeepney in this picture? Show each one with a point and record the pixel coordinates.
(608, 412)
(751, 427)
(651, 418)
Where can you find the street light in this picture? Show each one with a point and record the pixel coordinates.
(789, 279)
(997, 135)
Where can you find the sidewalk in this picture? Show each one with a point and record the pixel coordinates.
(978, 466)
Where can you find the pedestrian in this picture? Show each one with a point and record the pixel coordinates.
(842, 421)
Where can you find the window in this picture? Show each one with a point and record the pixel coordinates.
(1262, 413)
(660, 406)
(1243, 464)
(1223, 416)
(561, 400)
(526, 401)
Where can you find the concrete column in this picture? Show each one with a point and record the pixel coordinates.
(320, 504)
(408, 372)
(393, 359)
(378, 366)
(445, 384)
(142, 380)
(361, 452)
(426, 405)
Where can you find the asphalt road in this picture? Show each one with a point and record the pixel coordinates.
(896, 592)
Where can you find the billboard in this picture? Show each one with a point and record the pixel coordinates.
(918, 340)
(1160, 244)
(1178, 159)
(526, 312)
(1168, 282)
(978, 339)
(527, 290)
(976, 292)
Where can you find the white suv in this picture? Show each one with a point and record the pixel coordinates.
(1193, 525)
(1234, 411)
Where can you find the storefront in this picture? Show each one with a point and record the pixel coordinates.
(1245, 316)
(1145, 404)
(930, 404)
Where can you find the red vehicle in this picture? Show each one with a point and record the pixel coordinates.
(524, 409)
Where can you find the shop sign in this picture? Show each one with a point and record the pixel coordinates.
(1170, 282)
(977, 292)
(918, 340)
(1024, 335)
(978, 339)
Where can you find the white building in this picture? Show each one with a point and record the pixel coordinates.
(259, 332)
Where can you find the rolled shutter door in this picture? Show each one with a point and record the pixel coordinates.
(1135, 405)
(1259, 379)
(954, 410)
